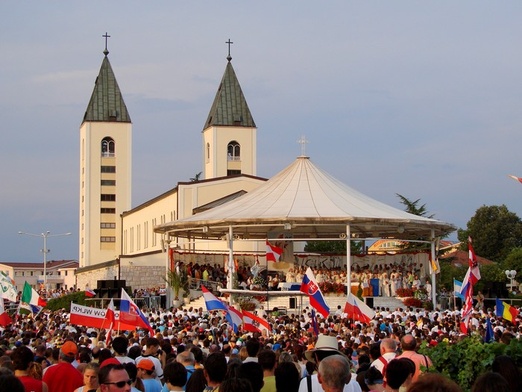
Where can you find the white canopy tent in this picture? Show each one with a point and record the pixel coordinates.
(308, 204)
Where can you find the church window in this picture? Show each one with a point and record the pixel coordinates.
(233, 151)
(107, 147)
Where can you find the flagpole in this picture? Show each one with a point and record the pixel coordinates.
(348, 263)
(433, 272)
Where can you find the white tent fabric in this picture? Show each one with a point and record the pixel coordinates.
(312, 204)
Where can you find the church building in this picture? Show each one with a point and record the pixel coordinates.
(116, 240)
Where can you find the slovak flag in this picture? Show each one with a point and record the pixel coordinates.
(358, 310)
(250, 318)
(234, 317)
(310, 287)
(211, 301)
(273, 253)
(131, 314)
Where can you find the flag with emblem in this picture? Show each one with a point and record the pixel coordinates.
(131, 314)
(310, 287)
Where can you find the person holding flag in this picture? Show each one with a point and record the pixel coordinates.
(472, 277)
(130, 313)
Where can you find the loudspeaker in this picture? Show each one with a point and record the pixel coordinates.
(369, 301)
(292, 302)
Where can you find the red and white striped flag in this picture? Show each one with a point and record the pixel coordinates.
(110, 317)
(515, 178)
(253, 323)
(273, 253)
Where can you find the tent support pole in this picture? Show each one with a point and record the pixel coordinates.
(348, 262)
(433, 272)
(230, 257)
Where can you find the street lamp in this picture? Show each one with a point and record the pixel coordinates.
(511, 276)
(44, 250)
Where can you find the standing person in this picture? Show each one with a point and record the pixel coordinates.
(175, 375)
(146, 374)
(90, 378)
(409, 344)
(388, 351)
(152, 351)
(334, 373)
(268, 361)
(64, 377)
(120, 345)
(22, 358)
(215, 370)
(399, 374)
(324, 347)
(114, 378)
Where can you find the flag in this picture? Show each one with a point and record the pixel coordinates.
(315, 327)
(5, 320)
(358, 310)
(310, 287)
(31, 297)
(273, 253)
(89, 293)
(467, 308)
(131, 314)
(234, 317)
(434, 266)
(473, 272)
(7, 288)
(111, 318)
(211, 301)
(254, 323)
(96, 318)
(515, 178)
(489, 336)
(506, 311)
(457, 288)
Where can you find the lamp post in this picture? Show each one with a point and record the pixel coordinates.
(44, 235)
(511, 276)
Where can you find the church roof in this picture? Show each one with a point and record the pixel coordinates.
(229, 107)
(309, 203)
(106, 103)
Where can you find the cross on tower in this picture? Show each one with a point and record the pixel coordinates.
(229, 43)
(303, 142)
(106, 36)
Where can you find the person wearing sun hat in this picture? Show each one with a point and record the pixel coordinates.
(324, 347)
(64, 377)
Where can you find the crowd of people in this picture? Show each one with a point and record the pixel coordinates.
(197, 350)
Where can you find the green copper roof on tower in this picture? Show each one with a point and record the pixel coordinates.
(106, 103)
(230, 107)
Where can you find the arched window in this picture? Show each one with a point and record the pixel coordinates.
(234, 151)
(107, 147)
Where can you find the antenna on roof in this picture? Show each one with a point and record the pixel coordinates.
(303, 142)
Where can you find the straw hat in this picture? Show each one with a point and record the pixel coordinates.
(324, 343)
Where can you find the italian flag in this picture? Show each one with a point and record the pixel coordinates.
(31, 297)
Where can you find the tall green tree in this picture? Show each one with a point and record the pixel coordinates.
(413, 207)
(495, 231)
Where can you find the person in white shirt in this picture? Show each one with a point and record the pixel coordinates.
(388, 352)
(325, 347)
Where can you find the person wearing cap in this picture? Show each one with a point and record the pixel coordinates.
(152, 351)
(64, 377)
(324, 347)
(146, 374)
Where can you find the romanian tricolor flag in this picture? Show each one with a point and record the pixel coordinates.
(506, 311)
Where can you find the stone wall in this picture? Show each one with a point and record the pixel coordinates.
(90, 278)
(142, 277)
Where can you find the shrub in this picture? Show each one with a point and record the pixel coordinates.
(404, 292)
(412, 302)
(64, 302)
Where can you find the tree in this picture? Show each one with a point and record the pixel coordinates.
(333, 247)
(495, 232)
(413, 207)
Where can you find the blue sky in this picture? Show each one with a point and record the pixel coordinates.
(417, 98)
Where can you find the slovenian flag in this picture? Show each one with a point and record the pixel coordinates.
(310, 287)
(31, 298)
(211, 301)
(506, 311)
(131, 314)
(273, 253)
(358, 310)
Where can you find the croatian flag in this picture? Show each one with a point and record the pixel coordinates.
(358, 310)
(131, 314)
(473, 272)
(255, 323)
(310, 287)
(273, 253)
(211, 301)
(234, 317)
(31, 298)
